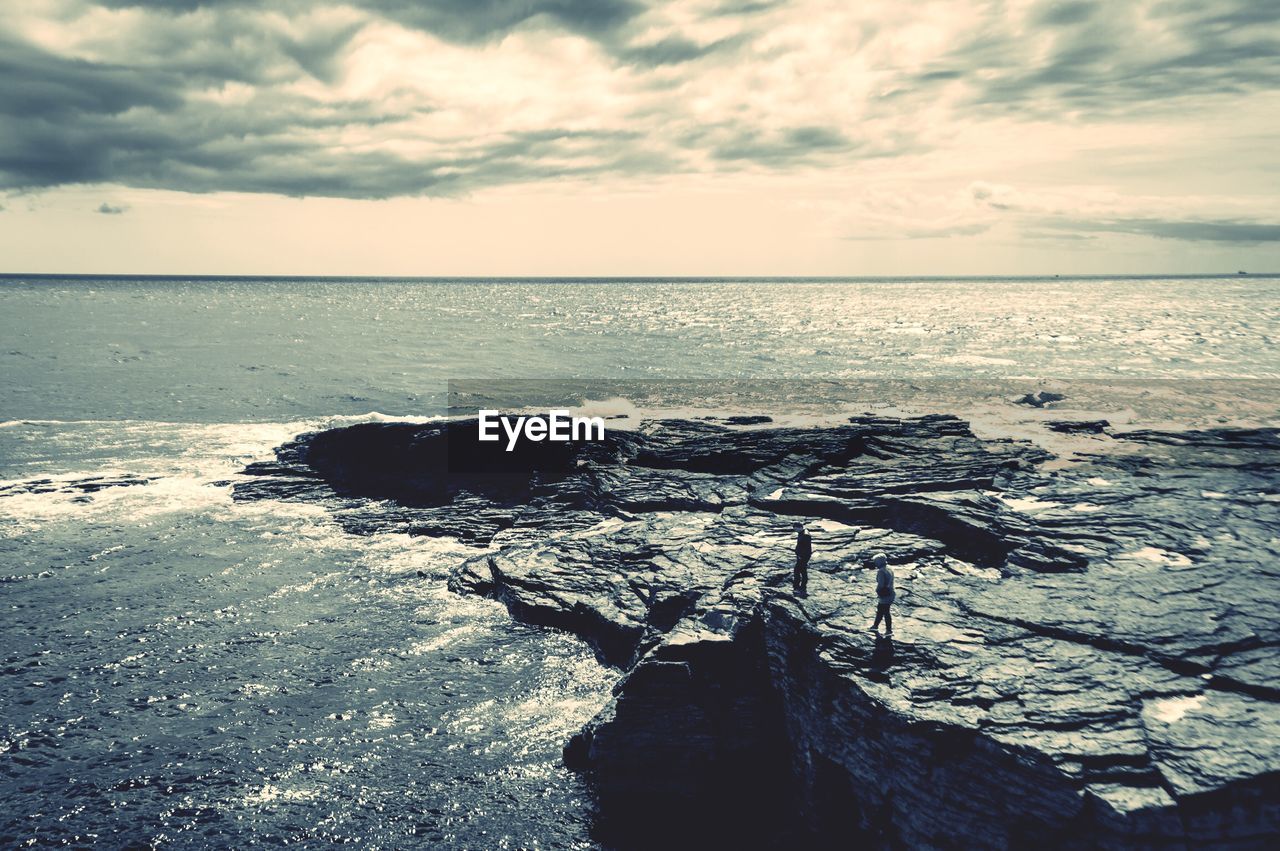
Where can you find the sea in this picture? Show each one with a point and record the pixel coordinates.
(182, 670)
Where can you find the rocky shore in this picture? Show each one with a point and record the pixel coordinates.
(1086, 652)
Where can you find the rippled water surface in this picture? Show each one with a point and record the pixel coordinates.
(179, 669)
(235, 350)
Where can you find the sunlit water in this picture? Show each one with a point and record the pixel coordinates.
(180, 669)
(277, 351)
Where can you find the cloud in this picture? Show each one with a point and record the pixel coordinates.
(75, 121)
(736, 8)
(384, 98)
(477, 20)
(1112, 58)
(917, 230)
(1192, 230)
(1071, 214)
(466, 21)
(111, 209)
(1086, 212)
(232, 96)
(671, 50)
(894, 212)
(772, 147)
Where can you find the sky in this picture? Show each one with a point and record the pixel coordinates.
(639, 137)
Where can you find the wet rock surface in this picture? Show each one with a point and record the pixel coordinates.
(87, 485)
(1085, 656)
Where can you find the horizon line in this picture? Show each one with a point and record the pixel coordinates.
(171, 276)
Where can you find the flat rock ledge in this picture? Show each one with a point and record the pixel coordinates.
(1085, 656)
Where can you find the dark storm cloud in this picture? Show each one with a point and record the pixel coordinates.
(1194, 231)
(87, 123)
(45, 86)
(72, 121)
(455, 20)
(187, 158)
(174, 6)
(1112, 58)
(226, 46)
(475, 20)
(291, 97)
(58, 110)
(464, 22)
(160, 120)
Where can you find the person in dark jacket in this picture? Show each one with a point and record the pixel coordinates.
(804, 549)
(885, 594)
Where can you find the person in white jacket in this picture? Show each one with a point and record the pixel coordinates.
(884, 593)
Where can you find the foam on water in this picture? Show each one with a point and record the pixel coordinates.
(251, 672)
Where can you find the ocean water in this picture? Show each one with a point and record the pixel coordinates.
(240, 350)
(179, 670)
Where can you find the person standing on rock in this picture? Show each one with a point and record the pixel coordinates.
(804, 549)
(884, 593)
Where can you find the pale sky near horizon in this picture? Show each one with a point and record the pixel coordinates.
(624, 137)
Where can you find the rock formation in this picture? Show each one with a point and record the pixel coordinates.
(1085, 655)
